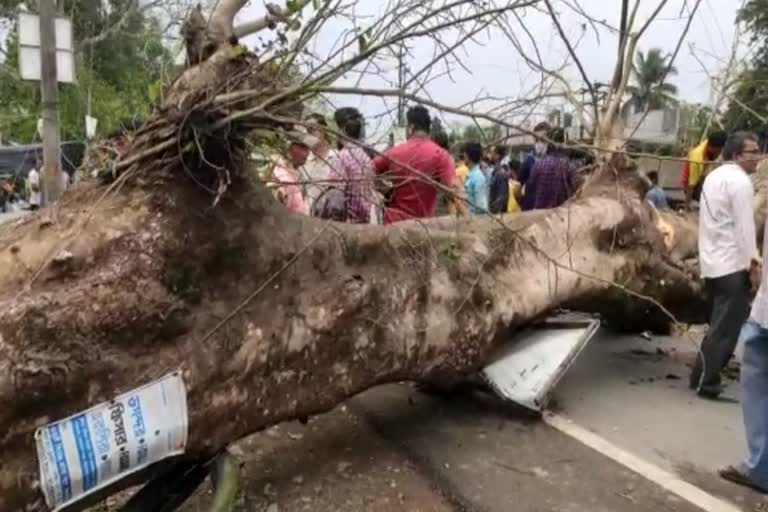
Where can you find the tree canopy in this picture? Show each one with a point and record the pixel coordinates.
(120, 62)
(748, 105)
(475, 133)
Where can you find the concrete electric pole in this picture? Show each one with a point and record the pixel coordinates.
(49, 89)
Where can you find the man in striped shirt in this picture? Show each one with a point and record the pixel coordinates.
(352, 170)
(727, 255)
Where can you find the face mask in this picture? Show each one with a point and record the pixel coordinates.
(540, 148)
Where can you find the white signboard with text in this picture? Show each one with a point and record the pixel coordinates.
(30, 67)
(88, 451)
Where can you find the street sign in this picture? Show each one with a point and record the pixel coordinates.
(30, 67)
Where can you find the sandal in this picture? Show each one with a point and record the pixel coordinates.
(740, 477)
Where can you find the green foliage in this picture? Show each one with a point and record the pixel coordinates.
(120, 76)
(650, 90)
(293, 6)
(450, 249)
(754, 15)
(696, 120)
(474, 133)
(750, 98)
(670, 150)
(751, 94)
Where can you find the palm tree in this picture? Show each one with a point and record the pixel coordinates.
(649, 89)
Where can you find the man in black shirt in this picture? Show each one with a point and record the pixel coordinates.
(498, 191)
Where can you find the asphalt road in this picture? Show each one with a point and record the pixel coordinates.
(394, 448)
(11, 216)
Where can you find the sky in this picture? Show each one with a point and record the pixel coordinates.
(497, 69)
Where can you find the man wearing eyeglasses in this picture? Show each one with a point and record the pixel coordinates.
(728, 257)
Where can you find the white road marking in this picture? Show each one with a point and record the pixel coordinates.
(659, 476)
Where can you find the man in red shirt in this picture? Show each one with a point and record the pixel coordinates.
(413, 167)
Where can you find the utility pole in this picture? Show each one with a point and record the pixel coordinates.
(49, 92)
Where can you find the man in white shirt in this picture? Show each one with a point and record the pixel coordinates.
(33, 182)
(317, 171)
(728, 257)
(64, 176)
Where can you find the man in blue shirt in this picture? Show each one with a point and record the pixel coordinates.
(475, 186)
(656, 195)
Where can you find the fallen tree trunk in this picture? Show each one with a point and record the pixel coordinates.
(272, 316)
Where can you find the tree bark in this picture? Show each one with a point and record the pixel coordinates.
(273, 316)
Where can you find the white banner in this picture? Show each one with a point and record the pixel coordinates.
(90, 450)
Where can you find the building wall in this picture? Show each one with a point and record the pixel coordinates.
(658, 127)
(669, 171)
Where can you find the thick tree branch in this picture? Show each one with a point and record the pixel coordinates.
(614, 106)
(275, 15)
(623, 67)
(622, 44)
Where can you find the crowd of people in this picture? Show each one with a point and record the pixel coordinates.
(351, 183)
(25, 193)
(496, 183)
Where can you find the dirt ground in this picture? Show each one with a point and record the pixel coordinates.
(334, 463)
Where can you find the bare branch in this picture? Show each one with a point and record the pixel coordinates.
(423, 101)
(568, 45)
(592, 20)
(609, 118)
(652, 17)
(275, 15)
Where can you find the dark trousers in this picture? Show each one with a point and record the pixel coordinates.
(729, 296)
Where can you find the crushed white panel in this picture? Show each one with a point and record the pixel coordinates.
(92, 449)
(526, 369)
